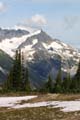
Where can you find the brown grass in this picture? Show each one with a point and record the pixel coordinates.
(53, 97)
(42, 113)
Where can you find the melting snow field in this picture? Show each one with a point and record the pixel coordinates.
(14, 102)
(11, 101)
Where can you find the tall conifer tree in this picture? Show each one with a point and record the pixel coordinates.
(58, 81)
(49, 85)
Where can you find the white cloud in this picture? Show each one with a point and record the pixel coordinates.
(36, 20)
(39, 19)
(2, 7)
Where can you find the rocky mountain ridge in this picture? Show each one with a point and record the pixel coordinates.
(43, 54)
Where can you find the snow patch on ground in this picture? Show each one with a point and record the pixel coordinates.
(65, 106)
(10, 101)
(68, 106)
(14, 102)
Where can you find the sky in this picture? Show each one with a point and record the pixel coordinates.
(59, 18)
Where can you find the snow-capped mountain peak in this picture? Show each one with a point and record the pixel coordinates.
(10, 45)
(43, 54)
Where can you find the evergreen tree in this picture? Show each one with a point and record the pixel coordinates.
(48, 85)
(25, 76)
(14, 77)
(77, 76)
(17, 71)
(8, 83)
(66, 83)
(27, 82)
(58, 83)
(75, 85)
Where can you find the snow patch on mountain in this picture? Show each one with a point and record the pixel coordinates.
(55, 45)
(29, 29)
(35, 41)
(29, 50)
(62, 49)
(2, 70)
(43, 53)
(10, 45)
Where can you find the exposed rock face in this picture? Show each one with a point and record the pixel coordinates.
(43, 55)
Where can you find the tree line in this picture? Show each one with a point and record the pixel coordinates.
(18, 79)
(66, 85)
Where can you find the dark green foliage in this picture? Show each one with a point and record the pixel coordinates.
(18, 79)
(72, 85)
(77, 76)
(18, 76)
(66, 84)
(49, 85)
(58, 83)
(27, 82)
(8, 84)
(75, 85)
(16, 72)
(25, 77)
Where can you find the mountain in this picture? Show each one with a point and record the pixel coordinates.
(8, 34)
(43, 54)
(5, 65)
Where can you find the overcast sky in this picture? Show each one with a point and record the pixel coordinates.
(59, 18)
